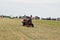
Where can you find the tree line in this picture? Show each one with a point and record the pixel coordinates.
(36, 17)
(20, 17)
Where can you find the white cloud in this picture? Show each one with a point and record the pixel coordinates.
(37, 1)
(34, 7)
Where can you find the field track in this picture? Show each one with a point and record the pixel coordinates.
(12, 29)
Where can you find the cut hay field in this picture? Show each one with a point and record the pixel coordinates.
(12, 29)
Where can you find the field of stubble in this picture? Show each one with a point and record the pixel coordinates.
(12, 29)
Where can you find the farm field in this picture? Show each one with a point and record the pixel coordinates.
(12, 29)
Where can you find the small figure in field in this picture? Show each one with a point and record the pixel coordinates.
(27, 22)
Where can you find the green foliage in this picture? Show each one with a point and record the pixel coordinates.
(6, 16)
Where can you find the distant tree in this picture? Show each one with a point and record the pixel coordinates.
(49, 18)
(16, 17)
(1, 16)
(53, 19)
(6, 16)
(20, 16)
(36, 17)
(58, 18)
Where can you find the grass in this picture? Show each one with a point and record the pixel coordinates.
(12, 29)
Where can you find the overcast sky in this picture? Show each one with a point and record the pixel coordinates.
(41, 8)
